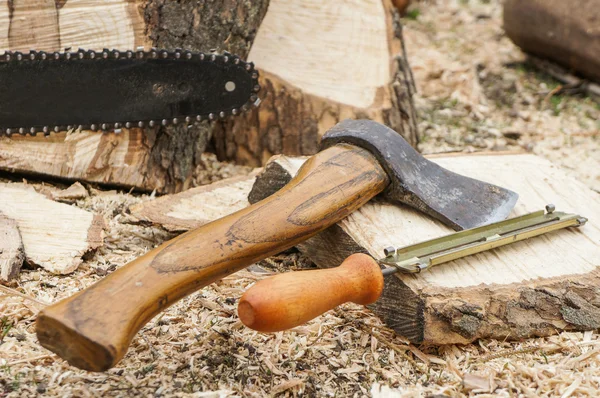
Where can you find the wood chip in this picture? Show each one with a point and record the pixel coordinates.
(11, 249)
(71, 194)
(476, 382)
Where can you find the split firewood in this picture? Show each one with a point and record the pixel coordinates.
(529, 288)
(564, 32)
(11, 249)
(161, 158)
(197, 206)
(55, 235)
(310, 81)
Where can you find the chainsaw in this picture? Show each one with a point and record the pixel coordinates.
(45, 92)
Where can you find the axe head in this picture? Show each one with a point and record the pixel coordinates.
(458, 201)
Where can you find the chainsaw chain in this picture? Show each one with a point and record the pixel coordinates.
(154, 53)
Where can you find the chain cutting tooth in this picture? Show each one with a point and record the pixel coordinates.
(202, 56)
(140, 124)
(213, 57)
(211, 116)
(151, 123)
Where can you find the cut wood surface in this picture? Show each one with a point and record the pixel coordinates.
(55, 235)
(11, 249)
(528, 288)
(322, 62)
(197, 206)
(159, 158)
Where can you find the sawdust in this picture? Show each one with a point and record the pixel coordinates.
(475, 93)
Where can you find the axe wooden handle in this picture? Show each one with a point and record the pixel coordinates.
(288, 300)
(93, 328)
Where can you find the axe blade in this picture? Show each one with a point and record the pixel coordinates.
(457, 201)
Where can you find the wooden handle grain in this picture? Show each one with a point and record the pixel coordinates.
(288, 300)
(93, 328)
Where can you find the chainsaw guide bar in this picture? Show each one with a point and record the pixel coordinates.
(110, 89)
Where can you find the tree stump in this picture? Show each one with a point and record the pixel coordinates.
(322, 61)
(158, 158)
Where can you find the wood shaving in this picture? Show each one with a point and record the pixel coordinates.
(468, 99)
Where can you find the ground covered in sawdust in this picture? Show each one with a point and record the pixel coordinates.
(476, 92)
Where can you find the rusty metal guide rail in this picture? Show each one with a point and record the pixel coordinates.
(424, 255)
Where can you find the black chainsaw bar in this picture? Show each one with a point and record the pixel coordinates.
(111, 89)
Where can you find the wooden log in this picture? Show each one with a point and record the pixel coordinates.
(565, 32)
(11, 249)
(322, 62)
(158, 158)
(55, 235)
(530, 288)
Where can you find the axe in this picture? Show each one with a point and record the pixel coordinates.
(358, 160)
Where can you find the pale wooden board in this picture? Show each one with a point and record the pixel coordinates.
(197, 206)
(55, 235)
(11, 249)
(332, 49)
